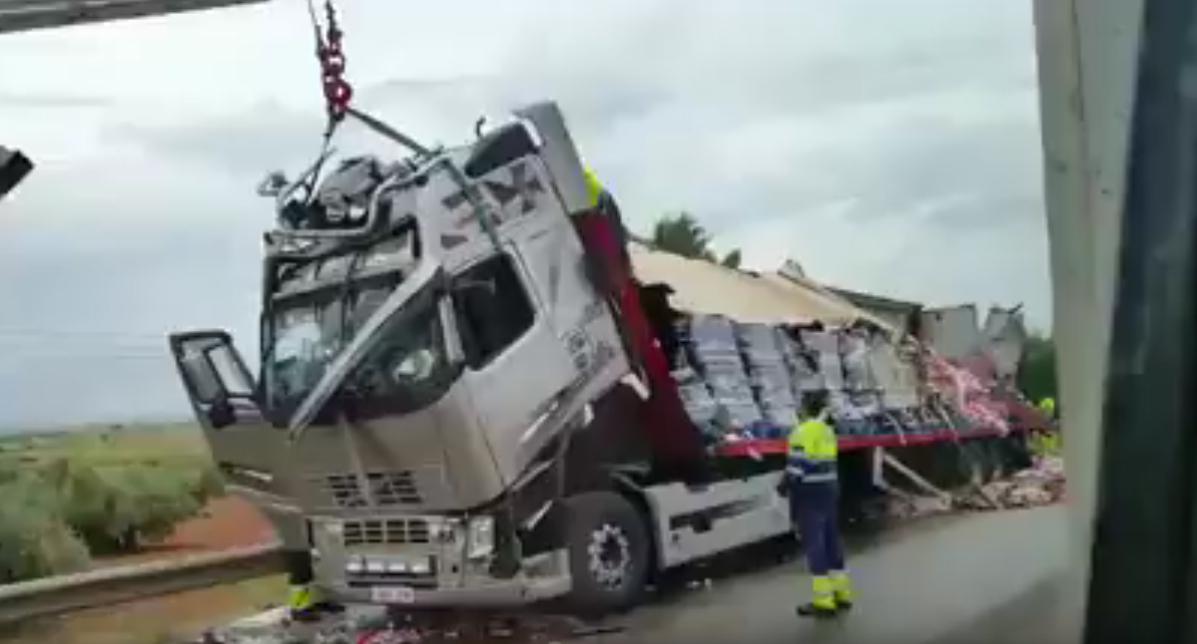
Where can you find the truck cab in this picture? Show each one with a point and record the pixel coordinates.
(447, 407)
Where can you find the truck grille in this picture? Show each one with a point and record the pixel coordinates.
(386, 532)
(386, 488)
(345, 491)
(393, 488)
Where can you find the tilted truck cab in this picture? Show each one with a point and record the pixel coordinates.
(460, 399)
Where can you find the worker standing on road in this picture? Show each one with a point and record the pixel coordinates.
(812, 484)
(1048, 406)
(303, 601)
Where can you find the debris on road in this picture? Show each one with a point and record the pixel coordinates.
(1042, 484)
(906, 507)
(373, 626)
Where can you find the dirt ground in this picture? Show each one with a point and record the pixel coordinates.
(228, 522)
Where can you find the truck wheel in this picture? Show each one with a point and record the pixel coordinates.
(608, 552)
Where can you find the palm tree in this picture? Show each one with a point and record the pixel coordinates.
(681, 234)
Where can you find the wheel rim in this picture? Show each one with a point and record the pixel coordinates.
(610, 553)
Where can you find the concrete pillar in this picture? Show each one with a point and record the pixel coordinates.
(1087, 56)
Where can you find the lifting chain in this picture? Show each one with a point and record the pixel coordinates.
(337, 91)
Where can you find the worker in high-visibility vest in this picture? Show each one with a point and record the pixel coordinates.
(812, 485)
(594, 189)
(304, 602)
(1048, 406)
(599, 200)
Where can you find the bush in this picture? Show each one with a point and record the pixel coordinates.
(209, 485)
(8, 473)
(86, 501)
(119, 509)
(35, 540)
(150, 502)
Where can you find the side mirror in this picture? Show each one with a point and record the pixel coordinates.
(220, 412)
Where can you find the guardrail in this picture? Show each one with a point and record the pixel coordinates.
(57, 595)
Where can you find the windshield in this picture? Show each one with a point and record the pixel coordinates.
(308, 333)
(316, 307)
(407, 367)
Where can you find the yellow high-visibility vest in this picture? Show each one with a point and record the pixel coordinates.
(594, 189)
(813, 452)
(1048, 406)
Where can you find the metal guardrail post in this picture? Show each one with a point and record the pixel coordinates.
(57, 595)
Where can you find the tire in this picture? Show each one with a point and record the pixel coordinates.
(613, 577)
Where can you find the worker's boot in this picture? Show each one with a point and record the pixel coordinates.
(817, 611)
(823, 605)
(842, 586)
(304, 606)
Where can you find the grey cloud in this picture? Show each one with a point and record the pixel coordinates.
(748, 116)
(97, 291)
(271, 135)
(252, 142)
(44, 100)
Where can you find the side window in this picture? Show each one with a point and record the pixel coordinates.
(236, 382)
(493, 309)
(203, 379)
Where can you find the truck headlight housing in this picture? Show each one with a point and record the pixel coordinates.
(481, 541)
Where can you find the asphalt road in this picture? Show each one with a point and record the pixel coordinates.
(985, 578)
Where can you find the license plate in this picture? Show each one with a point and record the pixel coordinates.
(392, 595)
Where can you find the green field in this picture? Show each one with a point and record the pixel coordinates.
(73, 495)
(113, 445)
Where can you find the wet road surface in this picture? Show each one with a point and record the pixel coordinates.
(967, 578)
(986, 578)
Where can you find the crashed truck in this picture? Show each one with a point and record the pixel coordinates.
(474, 389)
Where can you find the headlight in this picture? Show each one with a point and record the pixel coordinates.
(420, 567)
(482, 538)
(443, 531)
(389, 565)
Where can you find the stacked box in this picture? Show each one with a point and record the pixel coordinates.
(717, 357)
(747, 380)
(846, 417)
(768, 373)
(803, 364)
(854, 353)
(696, 396)
(824, 346)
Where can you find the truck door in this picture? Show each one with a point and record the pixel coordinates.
(516, 364)
(222, 393)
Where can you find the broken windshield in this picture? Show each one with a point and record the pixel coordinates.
(317, 307)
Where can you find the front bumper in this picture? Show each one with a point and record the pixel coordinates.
(421, 562)
(488, 594)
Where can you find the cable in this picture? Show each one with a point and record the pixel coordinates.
(64, 333)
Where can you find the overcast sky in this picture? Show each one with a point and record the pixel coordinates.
(891, 147)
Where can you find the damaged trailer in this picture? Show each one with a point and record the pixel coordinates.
(744, 348)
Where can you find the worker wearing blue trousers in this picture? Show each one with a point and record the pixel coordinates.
(812, 484)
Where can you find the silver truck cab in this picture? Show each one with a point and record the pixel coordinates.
(429, 337)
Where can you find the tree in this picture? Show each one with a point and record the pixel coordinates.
(1037, 372)
(681, 234)
(732, 259)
